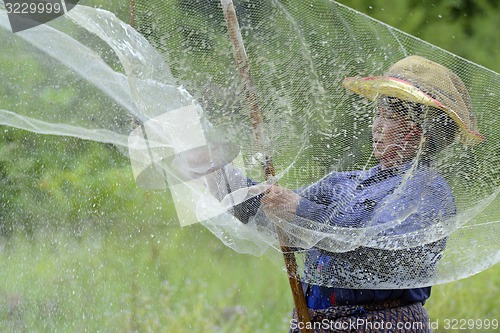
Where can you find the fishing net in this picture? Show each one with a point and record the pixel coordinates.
(385, 182)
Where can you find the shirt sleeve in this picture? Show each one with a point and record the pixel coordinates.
(320, 201)
(332, 201)
(420, 202)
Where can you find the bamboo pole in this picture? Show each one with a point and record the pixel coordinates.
(259, 137)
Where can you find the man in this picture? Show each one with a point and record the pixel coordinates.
(421, 107)
(377, 235)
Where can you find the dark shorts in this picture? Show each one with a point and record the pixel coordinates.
(387, 317)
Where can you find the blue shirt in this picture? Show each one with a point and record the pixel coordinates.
(364, 198)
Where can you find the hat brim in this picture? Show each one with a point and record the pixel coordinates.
(372, 87)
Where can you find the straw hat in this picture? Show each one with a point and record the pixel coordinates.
(422, 81)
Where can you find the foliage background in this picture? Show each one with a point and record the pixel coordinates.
(82, 249)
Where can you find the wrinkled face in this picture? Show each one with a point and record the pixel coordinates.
(395, 137)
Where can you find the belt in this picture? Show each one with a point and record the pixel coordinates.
(387, 304)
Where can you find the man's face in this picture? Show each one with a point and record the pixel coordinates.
(395, 137)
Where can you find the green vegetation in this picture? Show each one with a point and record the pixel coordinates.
(82, 249)
(462, 27)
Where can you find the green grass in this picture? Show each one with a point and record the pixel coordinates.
(166, 279)
(476, 298)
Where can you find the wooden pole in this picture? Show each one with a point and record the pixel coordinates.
(259, 137)
(132, 13)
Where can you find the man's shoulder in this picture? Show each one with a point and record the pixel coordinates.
(431, 179)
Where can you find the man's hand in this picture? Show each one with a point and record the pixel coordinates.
(280, 200)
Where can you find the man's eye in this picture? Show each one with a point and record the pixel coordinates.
(385, 117)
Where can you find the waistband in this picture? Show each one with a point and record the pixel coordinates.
(320, 298)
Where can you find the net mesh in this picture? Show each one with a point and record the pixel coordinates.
(392, 186)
